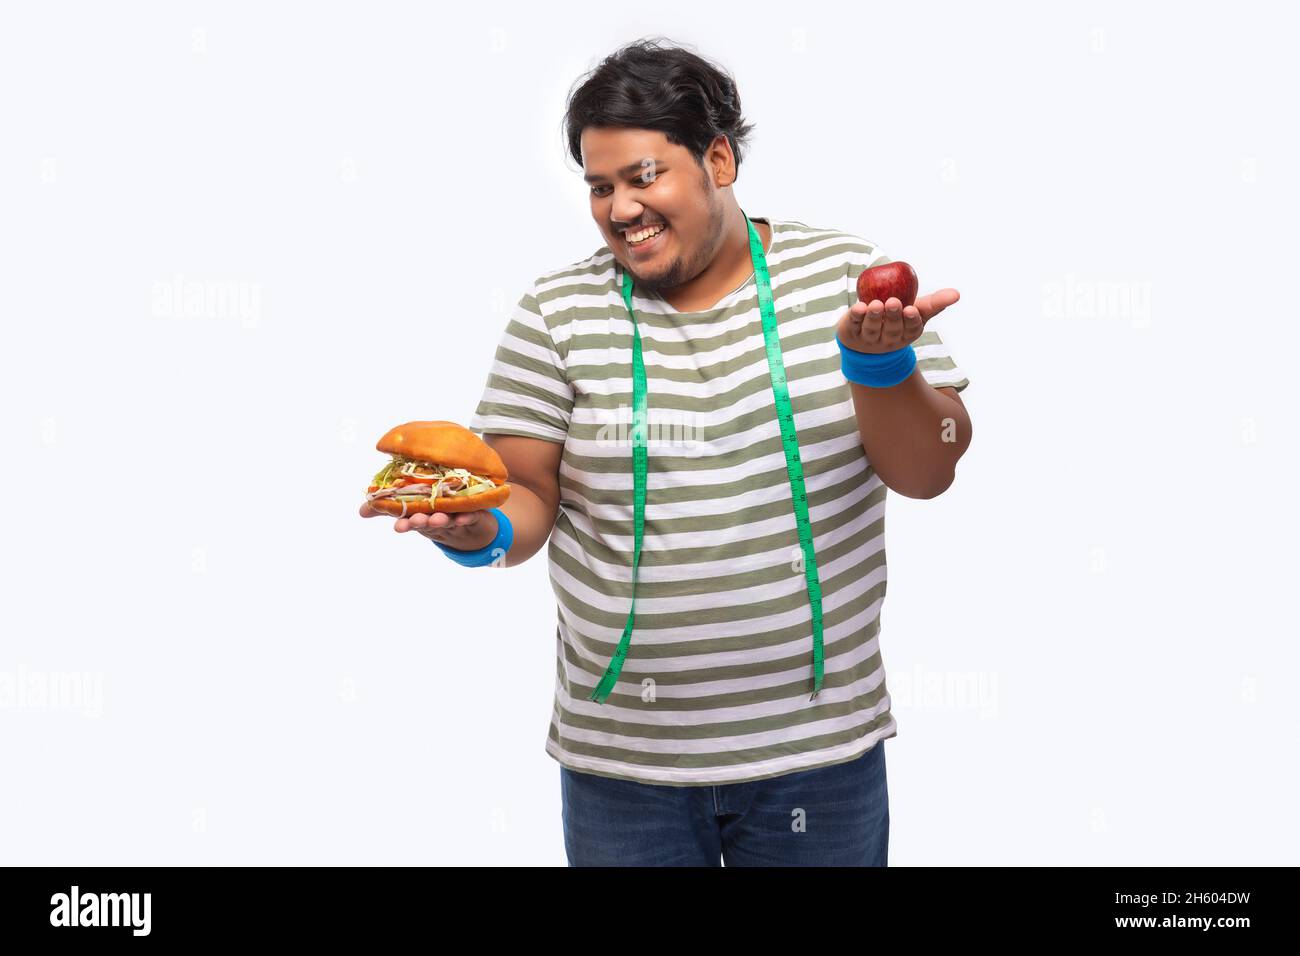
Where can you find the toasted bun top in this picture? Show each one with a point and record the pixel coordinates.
(444, 443)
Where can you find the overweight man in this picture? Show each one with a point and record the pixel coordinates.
(702, 424)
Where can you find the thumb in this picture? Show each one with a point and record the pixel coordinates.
(931, 305)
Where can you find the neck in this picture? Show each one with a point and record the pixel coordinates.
(729, 268)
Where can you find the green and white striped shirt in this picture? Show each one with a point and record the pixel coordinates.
(716, 685)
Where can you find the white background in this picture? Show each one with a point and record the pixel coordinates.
(1112, 190)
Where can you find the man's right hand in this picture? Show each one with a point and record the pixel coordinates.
(463, 530)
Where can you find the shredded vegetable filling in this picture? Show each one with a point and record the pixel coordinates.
(425, 481)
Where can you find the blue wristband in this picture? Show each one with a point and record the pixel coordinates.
(879, 370)
(485, 555)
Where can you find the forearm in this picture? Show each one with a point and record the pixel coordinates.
(913, 434)
(532, 518)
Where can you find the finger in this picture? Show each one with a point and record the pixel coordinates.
(416, 522)
(850, 323)
(912, 324)
(463, 520)
(847, 331)
(934, 303)
(442, 525)
(893, 330)
(369, 512)
(874, 323)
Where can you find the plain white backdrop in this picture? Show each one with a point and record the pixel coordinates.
(238, 242)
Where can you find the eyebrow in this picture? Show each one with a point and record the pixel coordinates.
(627, 170)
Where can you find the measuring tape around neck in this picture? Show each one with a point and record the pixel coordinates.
(794, 467)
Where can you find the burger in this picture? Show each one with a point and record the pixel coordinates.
(437, 466)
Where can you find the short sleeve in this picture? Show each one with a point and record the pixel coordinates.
(932, 355)
(527, 391)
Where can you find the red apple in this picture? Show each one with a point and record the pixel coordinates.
(896, 279)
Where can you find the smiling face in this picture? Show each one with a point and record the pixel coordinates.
(636, 179)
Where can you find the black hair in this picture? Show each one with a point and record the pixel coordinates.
(651, 85)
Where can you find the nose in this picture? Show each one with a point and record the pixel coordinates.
(625, 211)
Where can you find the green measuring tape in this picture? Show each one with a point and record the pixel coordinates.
(794, 466)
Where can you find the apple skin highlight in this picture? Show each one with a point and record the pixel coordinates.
(893, 279)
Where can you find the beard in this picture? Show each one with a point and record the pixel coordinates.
(683, 268)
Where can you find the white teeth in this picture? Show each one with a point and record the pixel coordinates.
(635, 237)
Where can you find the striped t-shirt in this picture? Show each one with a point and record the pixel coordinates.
(716, 685)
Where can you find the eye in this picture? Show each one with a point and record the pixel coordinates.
(636, 182)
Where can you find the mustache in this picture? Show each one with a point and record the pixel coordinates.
(644, 225)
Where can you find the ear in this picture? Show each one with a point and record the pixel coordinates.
(721, 161)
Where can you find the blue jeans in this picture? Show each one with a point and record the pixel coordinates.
(829, 816)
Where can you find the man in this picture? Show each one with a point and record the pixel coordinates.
(683, 721)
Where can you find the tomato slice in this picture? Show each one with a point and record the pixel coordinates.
(400, 481)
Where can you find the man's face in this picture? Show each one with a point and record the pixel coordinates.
(637, 178)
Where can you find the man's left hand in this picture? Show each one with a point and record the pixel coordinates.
(877, 326)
